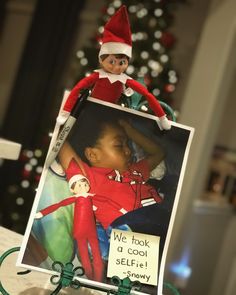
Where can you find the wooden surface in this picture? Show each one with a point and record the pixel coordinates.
(32, 283)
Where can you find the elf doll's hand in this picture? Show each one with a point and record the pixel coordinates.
(62, 117)
(38, 215)
(165, 123)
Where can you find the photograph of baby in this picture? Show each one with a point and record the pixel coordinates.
(116, 170)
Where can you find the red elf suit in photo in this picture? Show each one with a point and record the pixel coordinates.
(84, 227)
(115, 194)
(109, 86)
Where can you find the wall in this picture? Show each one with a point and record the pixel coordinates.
(226, 135)
(205, 96)
(16, 26)
(189, 18)
(208, 94)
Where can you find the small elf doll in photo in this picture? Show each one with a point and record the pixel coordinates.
(84, 227)
(109, 82)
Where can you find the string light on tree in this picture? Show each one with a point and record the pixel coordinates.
(111, 10)
(80, 54)
(156, 46)
(117, 3)
(157, 34)
(130, 70)
(132, 9)
(152, 23)
(158, 12)
(169, 88)
(22, 192)
(156, 91)
(144, 54)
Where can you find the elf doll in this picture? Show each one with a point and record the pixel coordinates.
(109, 82)
(84, 227)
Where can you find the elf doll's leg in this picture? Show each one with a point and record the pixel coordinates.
(93, 266)
(82, 245)
(86, 235)
(97, 260)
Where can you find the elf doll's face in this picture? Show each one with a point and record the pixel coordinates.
(115, 64)
(81, 187)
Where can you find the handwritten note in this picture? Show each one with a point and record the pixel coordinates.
(134, 255)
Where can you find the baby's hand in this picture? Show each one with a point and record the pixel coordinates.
(38, 215)
(124, 124)
(127, 127)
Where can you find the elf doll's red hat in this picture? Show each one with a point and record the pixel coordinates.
(74, 173)
(117, 35)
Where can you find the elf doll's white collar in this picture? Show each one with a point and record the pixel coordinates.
(112, 77)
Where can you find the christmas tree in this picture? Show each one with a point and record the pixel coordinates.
(18, 197)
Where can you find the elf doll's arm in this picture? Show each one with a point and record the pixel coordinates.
(85, 83)
(153, 102)
(52, 208)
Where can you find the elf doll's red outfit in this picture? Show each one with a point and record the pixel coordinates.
(115, 194)
(106, 84)
(84, 228)
(109, 87)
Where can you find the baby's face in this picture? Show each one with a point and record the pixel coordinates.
(112, 149)
(81, 187)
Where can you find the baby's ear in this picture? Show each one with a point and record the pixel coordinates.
(92, 155)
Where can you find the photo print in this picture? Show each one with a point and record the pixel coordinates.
(108, 201)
